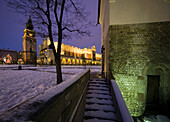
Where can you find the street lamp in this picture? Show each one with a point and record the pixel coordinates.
(19, 67)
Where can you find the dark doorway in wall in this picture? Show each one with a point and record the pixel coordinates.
(153, 82)
(153, 106)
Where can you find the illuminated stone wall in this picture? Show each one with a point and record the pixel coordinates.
(138, 50)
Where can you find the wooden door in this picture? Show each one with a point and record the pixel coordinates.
(153, 89)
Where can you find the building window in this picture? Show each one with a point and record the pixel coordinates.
(30, 49)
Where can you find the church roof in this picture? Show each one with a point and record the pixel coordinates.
(29, 24)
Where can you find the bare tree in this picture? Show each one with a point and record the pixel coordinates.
(56, 19)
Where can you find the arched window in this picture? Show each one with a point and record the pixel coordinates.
(31, 49)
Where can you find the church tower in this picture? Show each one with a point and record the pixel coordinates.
(29, 44)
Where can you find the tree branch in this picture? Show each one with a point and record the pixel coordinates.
(79, 31)
(65, 28)
(76, 7)
(38, 16)
(55, 11)
(62, 11)
(38, 7)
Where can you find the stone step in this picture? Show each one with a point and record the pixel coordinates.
(98, 82)
(98, 85)
(97, 79)
(98, 120)
(100, 115)
(102, 96)
(99, 105)
(94, 83)
(98, 91)
(98, 88)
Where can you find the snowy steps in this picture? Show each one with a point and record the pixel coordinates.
(99, 105)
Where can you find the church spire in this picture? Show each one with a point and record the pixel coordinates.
(29, 24)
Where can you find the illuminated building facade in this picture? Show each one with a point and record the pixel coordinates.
(8, 56)
(136, 43)
(29, 44)
(69, 54)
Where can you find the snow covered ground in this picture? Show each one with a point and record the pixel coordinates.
(155, 118)
(19, 86)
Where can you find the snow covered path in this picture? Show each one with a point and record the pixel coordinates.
(99, 106)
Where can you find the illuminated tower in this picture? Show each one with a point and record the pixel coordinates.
(29, 44)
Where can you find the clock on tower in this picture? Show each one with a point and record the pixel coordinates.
(29, 44)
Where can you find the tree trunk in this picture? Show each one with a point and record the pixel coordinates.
(57, 61)
(58, 68)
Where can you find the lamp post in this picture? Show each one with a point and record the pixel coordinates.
(19, 67)
(20, 60)
(103, 57)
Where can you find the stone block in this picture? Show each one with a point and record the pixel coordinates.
(140, 78)
(141, 97)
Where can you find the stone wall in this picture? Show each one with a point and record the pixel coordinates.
(138, 50)
(69, 104)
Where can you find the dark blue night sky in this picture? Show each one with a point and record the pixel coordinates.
(12, 27)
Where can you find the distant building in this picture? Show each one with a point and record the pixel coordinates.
(29, 44)
(69, 54)
(8, 56)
